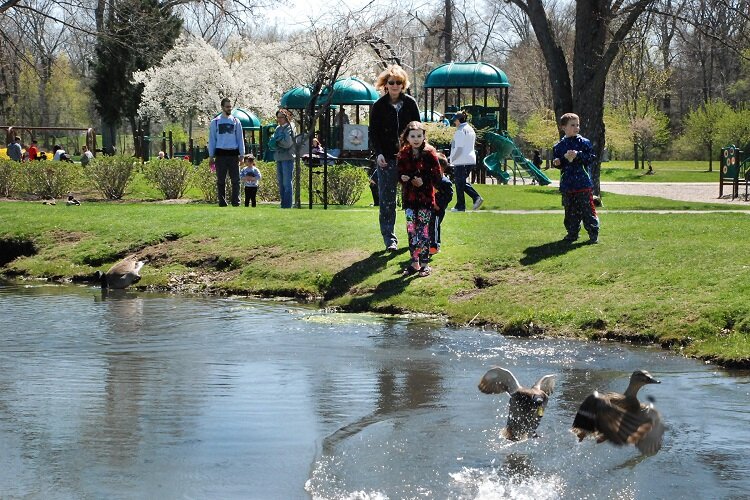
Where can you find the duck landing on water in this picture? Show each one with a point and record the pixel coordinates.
(526, 404)
(121, 275)
(621, 418)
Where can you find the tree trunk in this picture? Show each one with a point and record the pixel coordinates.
(448, 31)
(635, 155)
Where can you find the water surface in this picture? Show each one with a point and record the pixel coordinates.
(132, 395)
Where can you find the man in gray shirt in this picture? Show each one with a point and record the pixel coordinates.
(14, 149)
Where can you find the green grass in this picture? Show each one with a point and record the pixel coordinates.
(676, 279)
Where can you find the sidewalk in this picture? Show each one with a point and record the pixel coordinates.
(707, 192)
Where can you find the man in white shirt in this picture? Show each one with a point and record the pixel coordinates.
(463, 157)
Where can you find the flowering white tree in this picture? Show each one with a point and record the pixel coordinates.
(190, 81)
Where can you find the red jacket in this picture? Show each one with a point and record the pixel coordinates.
(427, 168)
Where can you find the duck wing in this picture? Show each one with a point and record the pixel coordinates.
(546, 384)
(620, 426)
(650, 444)
(498, 380)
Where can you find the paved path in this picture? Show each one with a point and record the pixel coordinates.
(707, 192)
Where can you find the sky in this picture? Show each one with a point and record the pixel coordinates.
(302, 10)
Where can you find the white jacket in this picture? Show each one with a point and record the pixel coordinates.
(462, 146)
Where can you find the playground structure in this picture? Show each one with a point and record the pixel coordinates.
(734, 171)
(89, 138)
(351, 139)
(456, 80)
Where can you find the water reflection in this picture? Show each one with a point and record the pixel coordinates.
(138, 395)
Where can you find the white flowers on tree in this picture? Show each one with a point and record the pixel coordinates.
(193, 77)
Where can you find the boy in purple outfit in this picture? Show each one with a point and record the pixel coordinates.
(573, 155)
(226, 145)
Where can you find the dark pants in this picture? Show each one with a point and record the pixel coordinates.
(387, 181)
(437, 220)
(579, 207)
(228, 165)
(250, 192)
(462, 186)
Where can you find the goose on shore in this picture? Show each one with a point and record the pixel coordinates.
(621, 418)
(526, 404)
(121, 275)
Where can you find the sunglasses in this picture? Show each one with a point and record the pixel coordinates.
(395, 82)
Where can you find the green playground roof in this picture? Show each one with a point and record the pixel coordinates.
(351, 90)
(296, 98)
(466, 75)
(248, 119)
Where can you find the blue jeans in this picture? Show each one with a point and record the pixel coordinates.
(460, 172)
(387, 181)
(228, 165)
(284, 172)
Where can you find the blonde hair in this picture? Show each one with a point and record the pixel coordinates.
(392, 71)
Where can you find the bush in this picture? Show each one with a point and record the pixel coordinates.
(171, 177)
(10, 177)
(110, 175)
(346, 183)
(205, 180)
(268, 189)
(50, 179)
(439, 135)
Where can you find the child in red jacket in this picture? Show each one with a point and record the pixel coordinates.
(419, 173)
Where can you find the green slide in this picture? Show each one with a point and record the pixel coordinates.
(505, 147)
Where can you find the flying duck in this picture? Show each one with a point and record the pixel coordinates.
(526, 404)
(121, 275)
(621, 418)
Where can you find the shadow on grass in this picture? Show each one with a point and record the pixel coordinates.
(532, 255)
(358, 272)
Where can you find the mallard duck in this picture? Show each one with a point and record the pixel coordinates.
(621, 418)
(526, 404)
(121, 275)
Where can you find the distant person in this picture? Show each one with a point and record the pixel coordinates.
(317, 147)
(15, 152)
(373, 174)
(419, 173)
(443, 197)
(226, 145)
(33, 150)
(161, 155)
(463, 157)
(573, 155)
(283, 138)
(537, 159)
(341, 117)
(389, 116)
(86, 156)
(250, 177)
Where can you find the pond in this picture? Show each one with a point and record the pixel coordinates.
(134, 395)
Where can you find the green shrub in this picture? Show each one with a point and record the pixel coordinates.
(268, 188)
(50, 179)
(171, 177)
(10, 177)
(439, 135)
(110, 175)
(346, 183)
(205, 180)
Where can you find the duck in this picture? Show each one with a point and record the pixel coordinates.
(621, 418)
(72, 201)
(121, 275)
(526, 406)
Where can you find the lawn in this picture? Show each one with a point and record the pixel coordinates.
(678, 279)
(664, 171)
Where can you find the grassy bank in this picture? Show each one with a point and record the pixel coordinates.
(676, 279)
(664, 171)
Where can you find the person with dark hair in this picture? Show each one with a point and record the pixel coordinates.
(226, 145)
(33, 150)
(389, 116)
(14, 149)
(250, 178)
(463, 157)
(573, 155)
(419, 173)
(443, 196)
